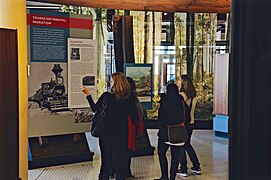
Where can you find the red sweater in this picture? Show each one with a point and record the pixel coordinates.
(134, 131)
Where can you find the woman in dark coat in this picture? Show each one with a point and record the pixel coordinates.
(114, 141)
(135, 125)
(171, 112)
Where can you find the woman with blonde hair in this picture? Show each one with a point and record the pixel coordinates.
(114, 141)
(188, 91)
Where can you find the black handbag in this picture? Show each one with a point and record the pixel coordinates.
(178, 133)
(99, 120)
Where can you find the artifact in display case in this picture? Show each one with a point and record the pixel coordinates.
(52, 95)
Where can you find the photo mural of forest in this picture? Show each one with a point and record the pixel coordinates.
(186, 41)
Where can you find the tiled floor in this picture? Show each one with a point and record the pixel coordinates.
(212, 152)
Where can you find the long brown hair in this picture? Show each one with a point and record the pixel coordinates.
(187, 86)
(121, 87)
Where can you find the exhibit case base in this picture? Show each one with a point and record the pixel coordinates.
(144, 146)
(58, 150)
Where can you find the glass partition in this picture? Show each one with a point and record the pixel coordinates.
(175, 43)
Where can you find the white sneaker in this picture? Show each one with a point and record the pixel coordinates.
(196, 170)
(181, 174)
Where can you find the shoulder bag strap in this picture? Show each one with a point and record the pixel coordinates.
(104, 104)
(105, 99)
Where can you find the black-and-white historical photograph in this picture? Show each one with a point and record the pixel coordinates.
(75, 53)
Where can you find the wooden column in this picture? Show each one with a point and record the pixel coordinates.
(250, 91)
(9, 105)
(123, 41)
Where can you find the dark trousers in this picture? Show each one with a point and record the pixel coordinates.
(162, 150)
(175, 151)
(113, 148)
(190, 151)
(129, 172)
(128, 168)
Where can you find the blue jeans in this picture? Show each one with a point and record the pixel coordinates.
(190, 151)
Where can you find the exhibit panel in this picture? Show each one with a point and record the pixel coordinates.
(57, 130)
(48, 34)
(142, 75)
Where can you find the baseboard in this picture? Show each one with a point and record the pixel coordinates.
(203, 124)
(221, 134)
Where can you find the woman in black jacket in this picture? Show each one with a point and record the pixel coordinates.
(114, 141)
(171, 112)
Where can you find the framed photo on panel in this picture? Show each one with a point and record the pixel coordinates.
(142, 75)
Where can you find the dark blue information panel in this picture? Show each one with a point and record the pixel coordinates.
(48, 33)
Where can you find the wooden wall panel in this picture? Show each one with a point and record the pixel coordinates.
(118, 46)
(9, 105)
(207, 6)
(123, 41)
(221, 84)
